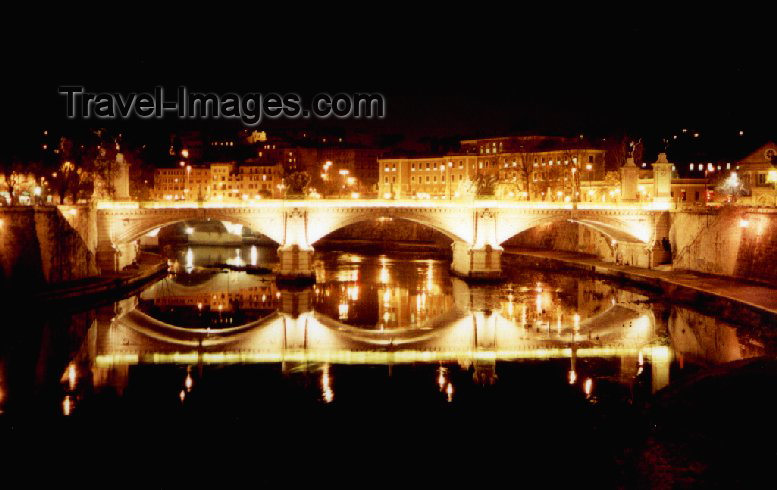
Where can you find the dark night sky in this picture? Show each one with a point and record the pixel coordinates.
(590, 74)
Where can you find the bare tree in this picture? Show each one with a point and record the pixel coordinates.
(485, 184)
(525, 170)
(297, 182)
(14, 176)
(637, 151)
(617, 150)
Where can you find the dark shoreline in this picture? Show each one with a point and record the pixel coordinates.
(94, 290)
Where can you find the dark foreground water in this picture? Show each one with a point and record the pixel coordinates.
(386, 368)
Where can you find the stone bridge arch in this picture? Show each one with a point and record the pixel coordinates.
(631, 237)
(611, 226)
(456, 227)
(128, 226)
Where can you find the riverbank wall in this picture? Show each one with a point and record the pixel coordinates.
(731, 241)
(46, 245)
(148, 267)
(737, 242)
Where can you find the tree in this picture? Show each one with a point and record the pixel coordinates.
(14, 177)
(297, 182)
(617, 150)
(101, 172)
(637, 151)
(525, 171)
(612, 181)
(507, 189)
(485, 185)
(733, 186)
(466, 189)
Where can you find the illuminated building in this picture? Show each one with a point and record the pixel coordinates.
(222, 181)
(437, 177)
(757, 172)
(535, 167)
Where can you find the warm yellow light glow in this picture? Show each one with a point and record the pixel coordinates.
(71, 376)
(342, 311)
(334, 356)
(67, 405)
(326, 387)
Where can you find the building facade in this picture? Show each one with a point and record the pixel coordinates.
(519, 167)
(220, 181)
(758, 173)
(445, 177)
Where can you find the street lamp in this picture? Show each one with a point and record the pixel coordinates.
(575, 194)
(589, 168)
(188, 172)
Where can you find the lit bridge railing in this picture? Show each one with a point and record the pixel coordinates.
(380, 203)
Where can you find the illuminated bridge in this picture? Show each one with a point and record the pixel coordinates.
(477, 228)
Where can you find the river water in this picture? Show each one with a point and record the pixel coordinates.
(376, 334)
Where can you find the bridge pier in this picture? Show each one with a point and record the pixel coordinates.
(476, 263)
(295, 264)
(113, 258)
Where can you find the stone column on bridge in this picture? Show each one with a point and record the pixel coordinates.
(481, 259)
(112, 256)
(121, 179)
(295, 254)
(662, 179)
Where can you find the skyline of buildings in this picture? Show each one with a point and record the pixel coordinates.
(251, 164)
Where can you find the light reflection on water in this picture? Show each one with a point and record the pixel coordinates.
(401, 313)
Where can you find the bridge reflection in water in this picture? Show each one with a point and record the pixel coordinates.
(377, 311)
